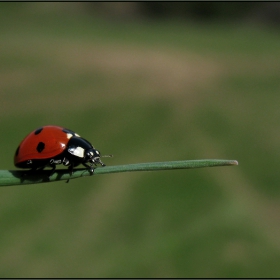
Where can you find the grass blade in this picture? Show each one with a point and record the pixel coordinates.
(18, 177)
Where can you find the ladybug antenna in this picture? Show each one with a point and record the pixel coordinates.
(107, 156)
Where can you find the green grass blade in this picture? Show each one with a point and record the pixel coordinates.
(19, 177)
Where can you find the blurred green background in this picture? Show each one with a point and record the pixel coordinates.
(145, 82)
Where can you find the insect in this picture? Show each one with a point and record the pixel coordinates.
(53, 145)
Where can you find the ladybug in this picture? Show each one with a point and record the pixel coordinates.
(53, 145)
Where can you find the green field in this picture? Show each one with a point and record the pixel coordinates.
(143, 91)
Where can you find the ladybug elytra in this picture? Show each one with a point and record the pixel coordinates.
(53, 145)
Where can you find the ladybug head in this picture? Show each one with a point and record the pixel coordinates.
(93, 156)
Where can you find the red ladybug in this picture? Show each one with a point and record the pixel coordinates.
(52, 145)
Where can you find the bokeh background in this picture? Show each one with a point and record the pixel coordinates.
(145, 82)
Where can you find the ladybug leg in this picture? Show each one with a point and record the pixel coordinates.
(89, 167)
(52, 170)
(102, 164)
(70, 168)
(29, 172)
(32, 171)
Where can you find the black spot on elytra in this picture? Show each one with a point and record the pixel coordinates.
(37, 131)
(40, 147)
(68, 131)
(17, 150)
